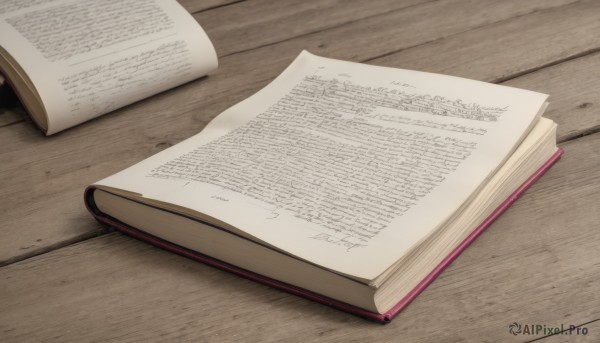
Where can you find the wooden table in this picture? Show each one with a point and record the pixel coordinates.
(63, 279)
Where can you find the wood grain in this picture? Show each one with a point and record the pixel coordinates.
(46, 210)
(538, 264)
(247, 26)
(194, 6)
(531, 266)
(508, 48)
(11, 116)
(235, 26)
(574, 97)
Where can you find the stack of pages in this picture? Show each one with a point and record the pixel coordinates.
(349, 184)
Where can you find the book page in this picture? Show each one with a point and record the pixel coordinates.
(342, 164)
(88, 57)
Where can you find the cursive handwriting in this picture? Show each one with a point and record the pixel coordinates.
(104, 87)
(74, 28)
(344, 242)
(314, 155)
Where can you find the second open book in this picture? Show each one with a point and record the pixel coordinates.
(72, 60)
(350, 184)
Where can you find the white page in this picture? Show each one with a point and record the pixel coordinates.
(334, 161)
(88, 57)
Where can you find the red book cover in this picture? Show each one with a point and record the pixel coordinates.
(383, 318)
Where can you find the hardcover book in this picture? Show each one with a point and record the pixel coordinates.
(349, 184)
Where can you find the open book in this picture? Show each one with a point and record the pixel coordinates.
(72, 60)
(349, 184)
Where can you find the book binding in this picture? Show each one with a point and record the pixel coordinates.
(382, 318)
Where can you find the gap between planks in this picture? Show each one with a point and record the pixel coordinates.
(346, 23)
(591, 131)
(472, 29)
(99, 287)
(217, 6)
(308, 33)
(199, 6)
(561, 332)
(95, 234)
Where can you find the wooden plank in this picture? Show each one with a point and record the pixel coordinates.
(541, 254)
(11, 115)
(45, 192)
(194, 6)
(247, 26)
(505, 49)
(574, 96)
